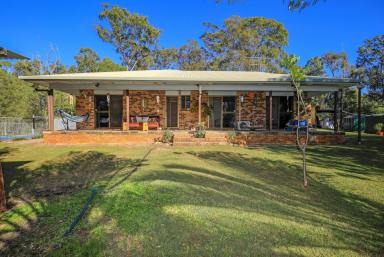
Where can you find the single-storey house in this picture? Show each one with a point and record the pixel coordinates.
(181, 100)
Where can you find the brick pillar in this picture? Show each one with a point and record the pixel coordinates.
(126, 110)
(85, 103)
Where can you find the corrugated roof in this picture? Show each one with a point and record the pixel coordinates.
(177, 75)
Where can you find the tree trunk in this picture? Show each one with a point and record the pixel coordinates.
(305, 167)
(3, 203)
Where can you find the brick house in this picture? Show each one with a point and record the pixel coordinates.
(182, 99)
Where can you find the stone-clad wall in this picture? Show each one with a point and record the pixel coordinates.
(253, 108)
(85, 103)
(152, 107)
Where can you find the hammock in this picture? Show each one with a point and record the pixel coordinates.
(66, 117)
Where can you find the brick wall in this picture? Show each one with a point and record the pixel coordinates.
(85, 103)
(253, 108)
(189, 119)
(152, 107)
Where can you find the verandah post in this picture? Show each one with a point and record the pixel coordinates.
(50, 110)
(359, 115)
(199, 87)
(270, 110)
(341, 125)
(335, 123)
(126, 95)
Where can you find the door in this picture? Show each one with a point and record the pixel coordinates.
(116, 111)
(215, 104)
(102, 111)
(172, 112)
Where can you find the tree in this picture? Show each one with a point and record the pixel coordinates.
(314, 67)
(131, 34)
(336, 63)
(293, 5)
(297, 75)
(17, 98)
(28, 67)
(87, 60)
(108, 65)
(300, 5)
(165, 58)
(192, 57)
(371, 60)
(254, 43)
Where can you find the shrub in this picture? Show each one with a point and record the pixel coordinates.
(379, 127)
(200, 131)
(231, 137)
(167, 136)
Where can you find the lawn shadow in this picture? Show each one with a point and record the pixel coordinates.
(274, 188)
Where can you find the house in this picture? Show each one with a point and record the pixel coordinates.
(181, 100)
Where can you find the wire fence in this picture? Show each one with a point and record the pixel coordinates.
(15, 128)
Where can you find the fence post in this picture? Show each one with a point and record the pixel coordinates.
(33, 126)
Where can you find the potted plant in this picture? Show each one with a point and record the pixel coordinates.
(379, 128)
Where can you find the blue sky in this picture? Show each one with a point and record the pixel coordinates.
(29, 27)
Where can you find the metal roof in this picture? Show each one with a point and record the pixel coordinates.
(7, 54)
(186, 77)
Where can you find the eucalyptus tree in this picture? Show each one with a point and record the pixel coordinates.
(314, 67)
(336, 63)
(165, 58)
(133, 37)
(192, 56)
(253, 43)
(87, 60)
(370, 60)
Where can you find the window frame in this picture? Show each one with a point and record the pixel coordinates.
(183, 101)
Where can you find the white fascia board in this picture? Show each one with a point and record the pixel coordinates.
(188, 87)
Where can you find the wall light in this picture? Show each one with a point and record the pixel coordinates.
(157, 99)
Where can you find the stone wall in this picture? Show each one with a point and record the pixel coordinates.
(253, 108)
(85, 103)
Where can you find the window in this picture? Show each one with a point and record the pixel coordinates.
(185, 102)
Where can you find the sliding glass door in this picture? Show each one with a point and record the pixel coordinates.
(222, 112)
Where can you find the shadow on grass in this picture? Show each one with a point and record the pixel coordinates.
(258, 187)
(59, 189)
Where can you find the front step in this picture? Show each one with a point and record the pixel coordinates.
(211, 138)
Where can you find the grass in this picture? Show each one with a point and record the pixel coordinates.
(194, 201)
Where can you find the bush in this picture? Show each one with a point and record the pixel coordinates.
(200, 131)
(167, 136)
(231, 137)
(379, 127)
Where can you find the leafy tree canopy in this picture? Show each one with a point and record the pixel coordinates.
(192, 57)
(371, 62)
(336, 63)
(254, 43)
(314, 67)
(87, 60)
(131, 34)
(165, 58)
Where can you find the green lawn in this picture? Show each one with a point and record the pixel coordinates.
(194, 201)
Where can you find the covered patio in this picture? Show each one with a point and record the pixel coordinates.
(155, 100)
